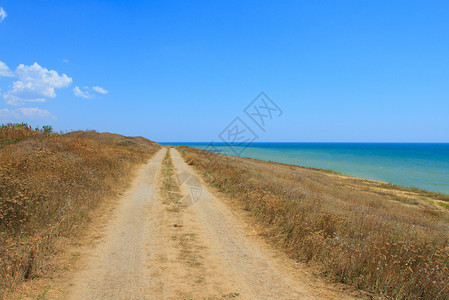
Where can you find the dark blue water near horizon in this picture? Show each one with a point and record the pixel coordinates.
(421, 165)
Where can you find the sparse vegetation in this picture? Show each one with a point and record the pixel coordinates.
(12, 133)
(49, 185)
(385, 239)
(170, 188)
(190, 158)
(231, 295)
(186, 242)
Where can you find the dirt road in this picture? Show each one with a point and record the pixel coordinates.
(202, 249)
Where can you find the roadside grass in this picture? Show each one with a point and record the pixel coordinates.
(355, 229)
(49, 186)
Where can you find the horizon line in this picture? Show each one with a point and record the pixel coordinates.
(199, 142)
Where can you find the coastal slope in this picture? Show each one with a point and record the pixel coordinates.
(375, 236)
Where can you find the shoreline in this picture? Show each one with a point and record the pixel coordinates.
(419, 169)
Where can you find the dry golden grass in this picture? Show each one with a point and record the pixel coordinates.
(170, 187)
(190, 158)
(49, 185)
(12, 133)
(384, 239)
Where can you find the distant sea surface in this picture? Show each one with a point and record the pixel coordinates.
(423, 166)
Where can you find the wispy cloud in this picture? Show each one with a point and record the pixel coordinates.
(4, 114)
(3, 14)
(15, 100)
(24, 112)
(34, 112)
(100, 90)
(85, 92)
(5, 71)
(79, 93)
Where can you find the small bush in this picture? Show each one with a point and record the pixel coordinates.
(47, 129)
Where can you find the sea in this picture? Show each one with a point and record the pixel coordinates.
(420, 165)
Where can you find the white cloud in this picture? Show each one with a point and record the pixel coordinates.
(65, 60)
(85, 94)
(4, 112)
(35, 80)
(39, 80)
(24, 112)
(34, 112)
(100, 90)
(12, 99)
(79, 93)
(5, 71)
(3, 14)
(34, 83)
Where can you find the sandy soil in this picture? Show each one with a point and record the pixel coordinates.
(118, 267)
(203, 250)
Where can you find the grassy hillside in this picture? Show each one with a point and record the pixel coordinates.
(375, 236)
(50, 184)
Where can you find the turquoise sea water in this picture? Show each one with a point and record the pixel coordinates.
(414, 165)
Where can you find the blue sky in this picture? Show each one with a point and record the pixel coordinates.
(349, 71)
